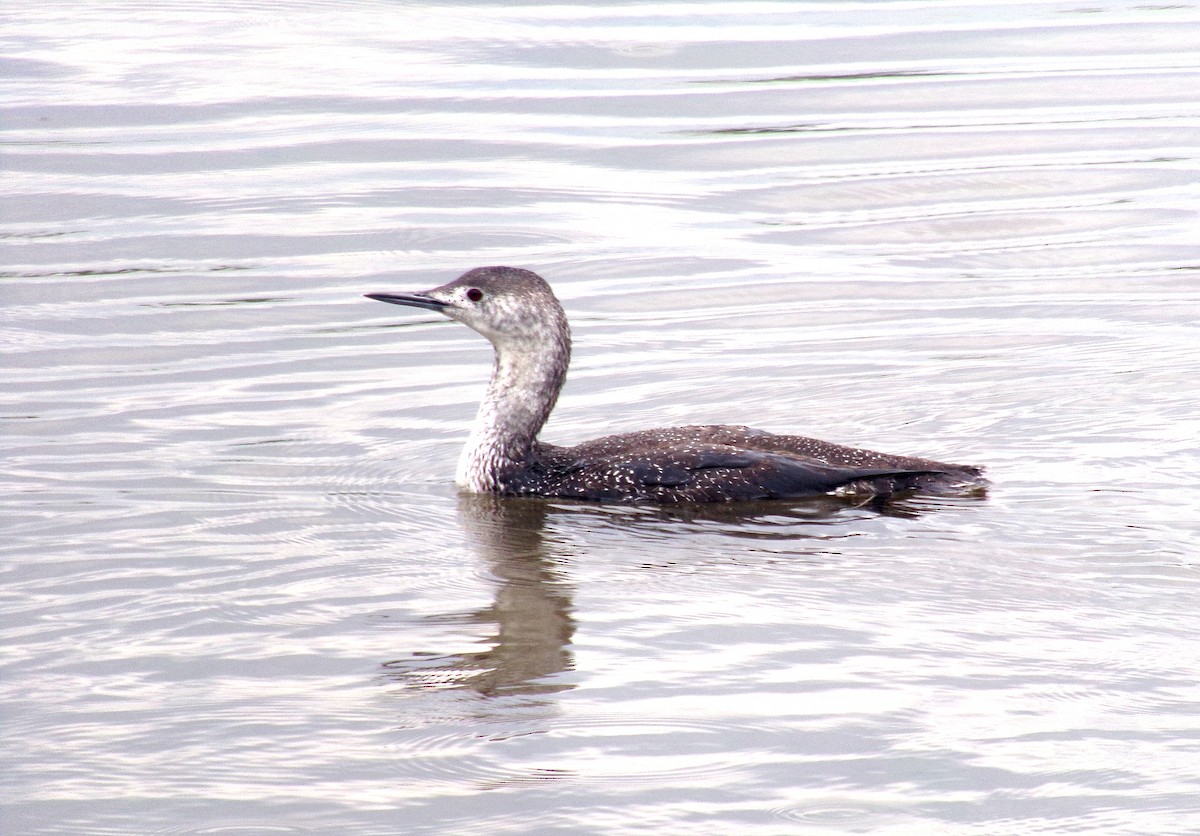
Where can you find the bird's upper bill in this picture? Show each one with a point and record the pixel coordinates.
(413, 300)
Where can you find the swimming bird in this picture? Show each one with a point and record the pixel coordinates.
(518, 313)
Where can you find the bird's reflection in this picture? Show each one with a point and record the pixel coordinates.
(531, 610)
(529, 647)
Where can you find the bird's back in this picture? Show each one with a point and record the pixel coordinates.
(721, 464)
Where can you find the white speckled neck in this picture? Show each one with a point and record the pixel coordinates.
(526, 379)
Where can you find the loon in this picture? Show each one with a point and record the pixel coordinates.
(518, 313)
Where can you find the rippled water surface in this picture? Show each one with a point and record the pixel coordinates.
(242, 595)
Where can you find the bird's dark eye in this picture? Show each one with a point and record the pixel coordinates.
(474, 294)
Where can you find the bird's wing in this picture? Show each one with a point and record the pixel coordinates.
(710, 472)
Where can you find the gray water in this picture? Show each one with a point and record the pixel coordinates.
(242, 596)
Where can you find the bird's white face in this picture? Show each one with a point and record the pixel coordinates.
(473, 306)
(507, 317)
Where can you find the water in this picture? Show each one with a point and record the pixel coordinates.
(241, 594)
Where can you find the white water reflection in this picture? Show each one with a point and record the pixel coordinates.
(241, 594)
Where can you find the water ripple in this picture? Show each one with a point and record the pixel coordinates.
(239, 581)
